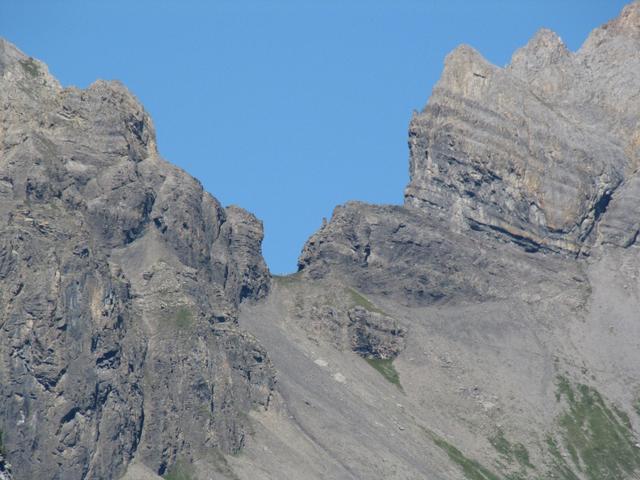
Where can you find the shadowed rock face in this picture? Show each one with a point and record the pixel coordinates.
(120, 280)
(5, 471)
(415, 258)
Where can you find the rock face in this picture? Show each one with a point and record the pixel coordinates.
(5, 470)
(536, 150)
(512, 268)
(542, 153)
(120, 280)
(487, 328)
(342, 317)
(402, 253)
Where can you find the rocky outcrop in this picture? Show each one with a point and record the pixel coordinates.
(513, 266)
(5, 469)
(120, 279)
(344, 318)
(375, 334)
(536, 150)
(418, 259)
(541, 154)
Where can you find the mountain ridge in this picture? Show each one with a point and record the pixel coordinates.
(483, 330)
(114, 261)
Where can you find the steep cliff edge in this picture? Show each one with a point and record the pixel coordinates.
(120, 280)
(511, 271)
(542, 153)
(535, 150)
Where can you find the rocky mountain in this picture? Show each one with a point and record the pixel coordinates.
(120, 284)
(485, 330)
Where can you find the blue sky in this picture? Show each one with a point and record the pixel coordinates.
(284, 107)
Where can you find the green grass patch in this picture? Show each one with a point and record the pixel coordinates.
(30, 67)
(472, 469)
(360, 300)
(622, 415)
(512, 452)
(598, 438)
(594, 441)
(179, 471)
(385, 367)
(560, 469)
(501, 444)
(521, 455)
(564, 389)
(183, 318)
(205, 411)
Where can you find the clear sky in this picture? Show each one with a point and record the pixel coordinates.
(284, 107)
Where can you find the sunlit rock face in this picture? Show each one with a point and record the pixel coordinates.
(120, 280)
(541, 154)
(536, 150)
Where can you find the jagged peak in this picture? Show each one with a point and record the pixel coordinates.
(465, 55)
(9, 56)
(17, 70)
(545, 44)
(17, 67)
(628, 20)
(465, 70)
(9, 53)
(546, 39)
(627, 24)
(545, 48)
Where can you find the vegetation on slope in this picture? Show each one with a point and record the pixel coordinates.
(472, 469)
(593, 441)
(360, 300)
(287, 280)
(598, 438)
(636, 406)
(183, 318)
(514, 454)
(385, 367)
(179, 471)
(30, 66)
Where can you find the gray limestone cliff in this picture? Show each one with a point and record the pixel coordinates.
(542, 153)
(511, 268)
(120, 280)
(538, 149)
